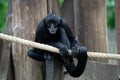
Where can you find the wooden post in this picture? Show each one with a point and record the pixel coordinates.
(54, 68)
(117, 19)
(76, 18)
(67, 12)
(1, 44)
(92, 27)
(49, 6)
(49, 68)
(92, 34)
(6, 73)
(89, 18)
(26, 16)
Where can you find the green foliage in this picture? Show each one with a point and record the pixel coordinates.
(3, 11)
(61, 2)
(110, 14)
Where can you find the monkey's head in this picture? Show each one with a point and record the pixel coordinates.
(53, 23)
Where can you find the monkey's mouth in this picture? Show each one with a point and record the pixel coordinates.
(53, 32)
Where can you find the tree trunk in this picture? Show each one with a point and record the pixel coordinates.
(90, 25)
(56, 7)
(5, 49)
(67, 12)
(117, 19)
(1, 46)
(92, 28)
(26, 16)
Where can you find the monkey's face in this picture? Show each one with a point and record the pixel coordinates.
(52, 26)
(53, 22)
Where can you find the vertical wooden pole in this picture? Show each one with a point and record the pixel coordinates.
(26, 16)
(76, 18)
(49, 6)
(92, 28)
(54, 68)
(117, 24)
(89, 22)
(117, 17)
(67, 11)
(5, 51)
(56, 7)
(49, 67)
(1, 44)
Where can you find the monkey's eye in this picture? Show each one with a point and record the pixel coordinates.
(51, 22)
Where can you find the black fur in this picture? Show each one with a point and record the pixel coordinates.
(63, 39)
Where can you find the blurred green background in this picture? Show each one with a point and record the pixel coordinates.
(110, 13)
(3, 12)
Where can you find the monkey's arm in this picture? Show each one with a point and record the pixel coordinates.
(41, 33)
(69, 33)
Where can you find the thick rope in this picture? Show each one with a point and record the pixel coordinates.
(53, 49)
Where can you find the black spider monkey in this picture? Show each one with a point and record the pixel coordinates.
(54, 31)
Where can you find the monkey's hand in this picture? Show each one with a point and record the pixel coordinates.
(65, 57)
(79, 52)
(75, 51)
